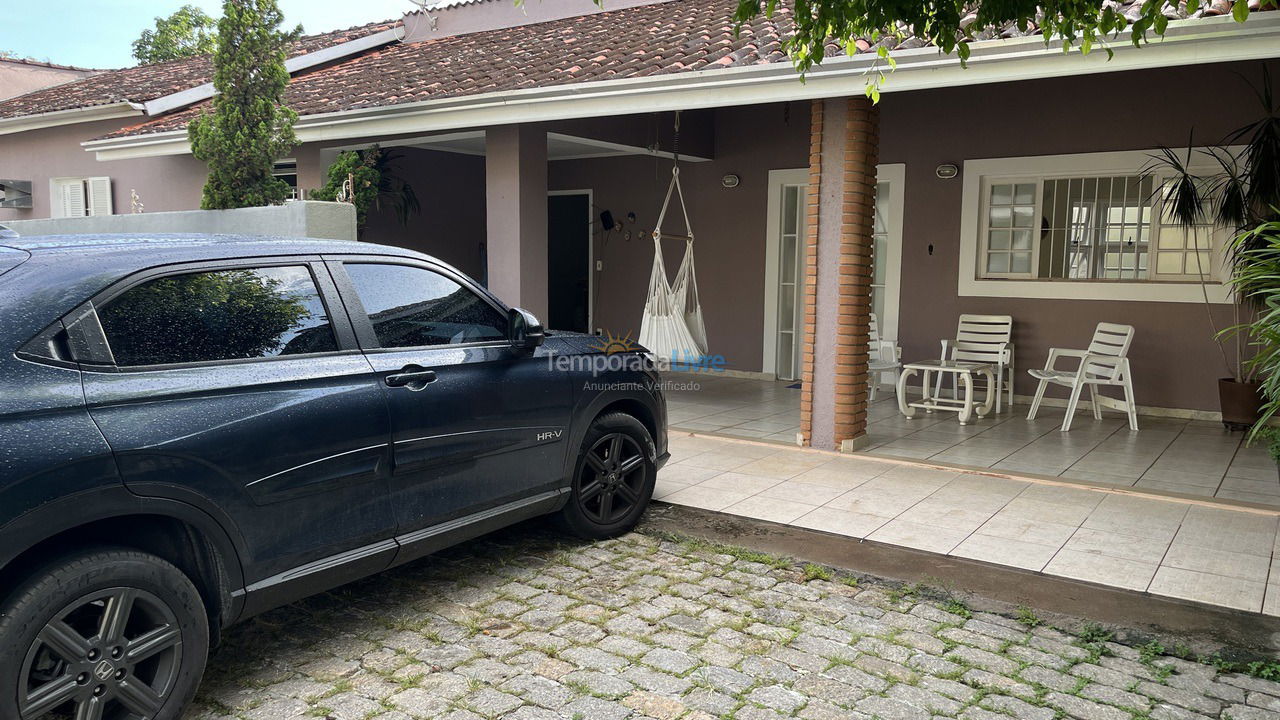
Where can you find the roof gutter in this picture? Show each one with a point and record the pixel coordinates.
(200, 93)
(92, 113)
(1188, 42)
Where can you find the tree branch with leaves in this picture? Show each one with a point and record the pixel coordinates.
(953, 26)
(185, 33)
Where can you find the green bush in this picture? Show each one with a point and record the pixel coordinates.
(374, 179)
(354, 167)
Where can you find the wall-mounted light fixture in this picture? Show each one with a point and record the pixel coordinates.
(947, 171)
(730, 181)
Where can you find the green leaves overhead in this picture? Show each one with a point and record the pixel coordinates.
(951, 25)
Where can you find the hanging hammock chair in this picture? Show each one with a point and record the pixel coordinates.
(672, 325)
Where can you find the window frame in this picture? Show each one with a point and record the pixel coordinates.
(92, 349)
(985, 230)
(288, 167)
(972, 281)
(363, 326)
(89, 197)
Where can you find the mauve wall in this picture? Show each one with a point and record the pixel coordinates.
(1175, 360)
(451, 226)
(729, 224)
(163, 183)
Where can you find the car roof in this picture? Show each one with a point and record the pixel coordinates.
(165, 245)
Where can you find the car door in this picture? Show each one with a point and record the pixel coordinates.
(238, 386)
(476, 424)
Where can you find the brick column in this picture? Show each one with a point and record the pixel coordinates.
(843, 150)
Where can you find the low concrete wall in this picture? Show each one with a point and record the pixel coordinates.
(325, 220)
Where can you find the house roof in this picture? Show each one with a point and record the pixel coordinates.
(665, 38)
(148, 82)
(662, 38)
(43, 64)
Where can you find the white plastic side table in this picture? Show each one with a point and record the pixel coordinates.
(962, 405)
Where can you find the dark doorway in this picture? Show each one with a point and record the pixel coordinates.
(569, 262)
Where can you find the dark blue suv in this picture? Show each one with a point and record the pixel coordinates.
(194, 429)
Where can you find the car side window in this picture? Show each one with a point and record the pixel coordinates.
(414, 307)
(234, 314)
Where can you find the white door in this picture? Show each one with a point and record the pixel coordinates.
(887, 248)
(784, 273)
(784, 264)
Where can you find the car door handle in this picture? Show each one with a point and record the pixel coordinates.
(411, 377)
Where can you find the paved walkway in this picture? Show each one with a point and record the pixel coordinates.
(1170, 455)
(524, 628)
(1182, 549)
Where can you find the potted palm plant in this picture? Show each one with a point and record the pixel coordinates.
(1256, 277)
(1241, 194)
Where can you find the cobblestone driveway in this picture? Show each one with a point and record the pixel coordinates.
(524, 627)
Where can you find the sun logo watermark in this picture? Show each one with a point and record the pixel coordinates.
(609, 344)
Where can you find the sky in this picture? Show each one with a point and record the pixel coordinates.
(99, 33)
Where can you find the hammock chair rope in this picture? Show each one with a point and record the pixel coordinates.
(672, 324)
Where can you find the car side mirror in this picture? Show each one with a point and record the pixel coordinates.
(525, 331)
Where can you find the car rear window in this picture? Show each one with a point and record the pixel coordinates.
(11, 258)
(235, 314)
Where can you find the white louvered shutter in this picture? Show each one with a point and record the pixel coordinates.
(70, 199)
(99, 195)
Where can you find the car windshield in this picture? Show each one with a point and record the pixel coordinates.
(11, 258)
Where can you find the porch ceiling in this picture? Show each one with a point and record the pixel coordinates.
(559, 146)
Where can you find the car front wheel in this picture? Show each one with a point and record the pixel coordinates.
(102, 635)
(614, 478)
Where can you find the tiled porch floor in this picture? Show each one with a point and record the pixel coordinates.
(1165, 546)
(1188, 457)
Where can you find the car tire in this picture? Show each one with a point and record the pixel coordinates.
(613, 478)
(118, 632)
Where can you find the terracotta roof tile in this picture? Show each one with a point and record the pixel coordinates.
(669, 37)
(148, 82)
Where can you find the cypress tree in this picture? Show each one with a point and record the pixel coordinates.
(249, 127)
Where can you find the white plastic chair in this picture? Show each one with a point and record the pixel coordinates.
(984, 339)
(1104, 363)
(884, 357)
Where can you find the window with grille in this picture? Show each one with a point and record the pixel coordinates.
(1088, 227)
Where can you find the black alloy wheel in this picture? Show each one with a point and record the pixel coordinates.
(110, 655)
(613, 478)
(102, 634)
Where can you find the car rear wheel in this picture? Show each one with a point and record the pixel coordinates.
(102, 635)
(613, 480)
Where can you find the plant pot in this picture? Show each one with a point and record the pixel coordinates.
(1241, 402)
